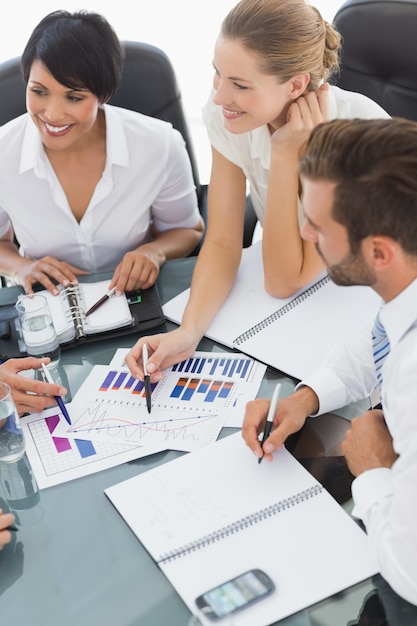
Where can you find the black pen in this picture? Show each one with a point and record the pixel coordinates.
(59, 400)
(147, 378)
(101, 301)
(12, 528)
(270, 417)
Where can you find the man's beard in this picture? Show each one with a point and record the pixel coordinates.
(352, 270)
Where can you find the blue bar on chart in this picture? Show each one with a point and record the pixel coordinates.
(123, 381)
(213, 391)
(139, 387)
(185, 388)
(212, 366)
(129, 383)
(179, 388)
(226, 389)
(192, 386)
(119, 381)
(108, 381)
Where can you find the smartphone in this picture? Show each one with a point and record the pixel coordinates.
(235, 594)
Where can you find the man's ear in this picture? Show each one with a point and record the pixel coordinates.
(379, 251)
(298, 85)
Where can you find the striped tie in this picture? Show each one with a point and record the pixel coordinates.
(380, 347)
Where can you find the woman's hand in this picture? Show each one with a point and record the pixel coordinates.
(164, 350)
(30, 396)
(303, 115)
(139, 269)
(45, 269)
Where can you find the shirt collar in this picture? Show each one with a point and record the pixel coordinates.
(399, 314)
(116, 140)
(33, 155)
(333, 113)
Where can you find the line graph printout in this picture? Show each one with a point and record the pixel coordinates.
(56, 459)
(189, 406)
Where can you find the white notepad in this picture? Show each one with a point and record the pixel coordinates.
(291, 334)
(216, 513)
(69, 307)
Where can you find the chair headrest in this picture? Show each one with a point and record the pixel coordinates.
(379, 52)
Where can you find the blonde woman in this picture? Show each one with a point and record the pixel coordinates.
(271, 61)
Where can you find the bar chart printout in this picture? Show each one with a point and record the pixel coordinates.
(56, 459)
(189, 406)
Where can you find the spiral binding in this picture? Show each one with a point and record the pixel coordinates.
(245, 522)
(280, 312)
(74, 312)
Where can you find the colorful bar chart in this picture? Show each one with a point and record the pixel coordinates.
(190, 404)
(205, 380)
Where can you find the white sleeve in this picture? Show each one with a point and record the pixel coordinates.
(176, 205)
(346, 375)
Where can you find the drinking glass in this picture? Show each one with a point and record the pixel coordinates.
(37, 328)
(12, 440)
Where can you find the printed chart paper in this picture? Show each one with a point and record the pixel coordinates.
(235, 413)
(56, 459)
(189, 406)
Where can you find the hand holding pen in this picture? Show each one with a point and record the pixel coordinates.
(147, 378)
(48, 379)
(270, 416)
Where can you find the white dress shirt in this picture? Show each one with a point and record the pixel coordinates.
(385, 499)
(251, 151)
(147, 178)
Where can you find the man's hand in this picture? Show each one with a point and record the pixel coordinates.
(290, 417)
(368, 443)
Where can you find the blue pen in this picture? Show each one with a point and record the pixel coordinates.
(59, 400)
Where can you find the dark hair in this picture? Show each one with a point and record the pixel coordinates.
(289, 36)
(373, 164)
(80, 50)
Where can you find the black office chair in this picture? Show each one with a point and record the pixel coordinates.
(379, 52)
(148, 85)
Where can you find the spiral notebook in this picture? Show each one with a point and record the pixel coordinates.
(293, 334)
(119, 315)
(68, 311)
(215, 513)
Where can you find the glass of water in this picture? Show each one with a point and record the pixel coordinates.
(37, 328)
(12, 440)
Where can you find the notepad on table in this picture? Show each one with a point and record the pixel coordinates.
(291, 334)
(69, 307)
(215, 513)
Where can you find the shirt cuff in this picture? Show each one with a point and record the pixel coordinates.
(369, 488)
(328, 388)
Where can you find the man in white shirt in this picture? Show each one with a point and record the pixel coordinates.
(360, 198)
